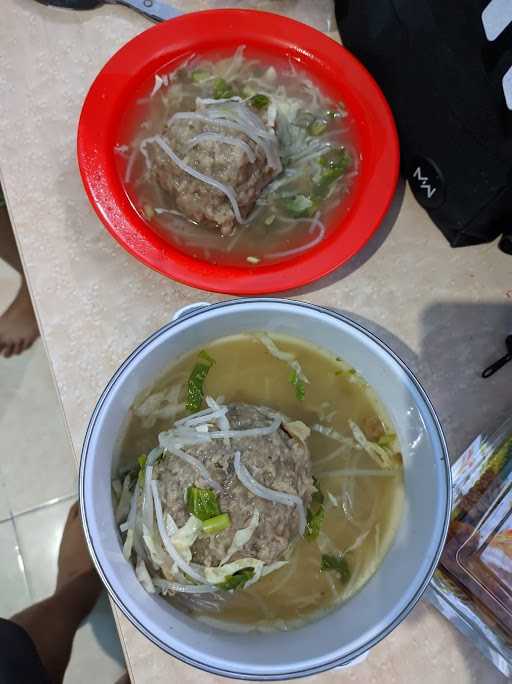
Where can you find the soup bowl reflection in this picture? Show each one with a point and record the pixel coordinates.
(346, 633)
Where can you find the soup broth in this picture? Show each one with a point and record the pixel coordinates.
(301, 193)
(362, 500)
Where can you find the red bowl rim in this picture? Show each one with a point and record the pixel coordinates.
(175, 38)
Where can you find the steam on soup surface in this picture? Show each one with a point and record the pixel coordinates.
(236, 159)
(260, 484)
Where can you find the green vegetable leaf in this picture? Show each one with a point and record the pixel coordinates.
(298, 206)
(202, 503)
(222, 89)
(199, 75)
(337, 159)
(316, 513)
(318, 497)
(387, 440)
(317, 127)
(304, 119)
(300, 387)
(259, 101)
(195, 391)
(336, 563)
(217, 524)
(238, 580)
(314, 522)
(336, 163)
(142, 468)
(204, 356)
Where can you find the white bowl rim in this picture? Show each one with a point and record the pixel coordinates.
(194, 311)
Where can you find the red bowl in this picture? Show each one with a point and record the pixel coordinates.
(328, 63)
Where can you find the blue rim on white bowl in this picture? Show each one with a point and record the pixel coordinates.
(350, 630)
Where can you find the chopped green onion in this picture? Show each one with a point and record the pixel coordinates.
(199, 75)
(237, 580)
(203, 503)
(259, 101)
(336, 563)
(222, 89)
(270, 220)
(195, 390)
(317, 127)
(298, 206)
(314, 522)
(300, 387)
(217, 524)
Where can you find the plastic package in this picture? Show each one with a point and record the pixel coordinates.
(472, 586)
(317, 13)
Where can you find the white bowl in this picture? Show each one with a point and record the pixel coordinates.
(349, 631)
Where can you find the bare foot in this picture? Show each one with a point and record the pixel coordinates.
(18, 325)
(74, 560)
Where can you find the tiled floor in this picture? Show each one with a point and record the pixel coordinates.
(37, 488)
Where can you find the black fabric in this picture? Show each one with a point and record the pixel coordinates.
(443, 81)
(19, 661)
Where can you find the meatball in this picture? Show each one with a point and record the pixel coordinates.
(243, 167)
(278, 461)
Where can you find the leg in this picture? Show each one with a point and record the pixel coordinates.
(18, 326)
(52, 623)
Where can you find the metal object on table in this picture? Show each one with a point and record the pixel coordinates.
(156, 11)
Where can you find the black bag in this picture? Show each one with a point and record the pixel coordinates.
(443, 80)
